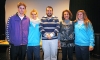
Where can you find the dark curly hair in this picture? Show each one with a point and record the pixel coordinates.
(70, 14)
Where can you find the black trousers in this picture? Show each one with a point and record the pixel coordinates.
(33, 50)
(82, 52)
(17, 52)
(67, 51)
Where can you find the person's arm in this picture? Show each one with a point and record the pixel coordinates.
(58, 36)
(59, 44)
(56, 30)
(91, 36)
(57, 26)
(42, 29)
(59, 31)
(8, 29)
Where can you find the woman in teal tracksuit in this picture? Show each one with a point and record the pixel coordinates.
(84, 36)
(34, 37)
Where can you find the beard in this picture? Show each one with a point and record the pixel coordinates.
(49, 14)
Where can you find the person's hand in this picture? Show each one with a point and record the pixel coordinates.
(59, 44)
(48, 36)
(90, 48)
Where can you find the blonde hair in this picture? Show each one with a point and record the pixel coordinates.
(34, 10)
(85, 18)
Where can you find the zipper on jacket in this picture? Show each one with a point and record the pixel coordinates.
(21, 34)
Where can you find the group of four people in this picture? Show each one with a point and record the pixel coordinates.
(24, 35)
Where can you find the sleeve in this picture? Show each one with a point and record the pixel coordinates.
(59, 31)
(73, 30)
(58, 36)
(42, 28)
(91, 34)
(56, 30)
(8, 29)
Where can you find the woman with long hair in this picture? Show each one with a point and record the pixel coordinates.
(84, 36)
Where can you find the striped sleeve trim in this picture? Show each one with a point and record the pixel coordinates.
(49, 27)
(7, 32)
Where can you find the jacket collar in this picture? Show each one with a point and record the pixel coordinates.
(18, 16)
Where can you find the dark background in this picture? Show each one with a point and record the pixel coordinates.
(2, 19)
(92, 8)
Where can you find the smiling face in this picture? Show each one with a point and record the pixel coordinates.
(34, 15)
(80, 15)
(49, 12)
(66, 15)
